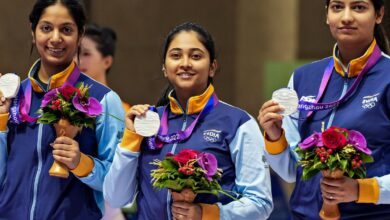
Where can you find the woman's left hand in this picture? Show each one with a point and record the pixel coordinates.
(335, 191)
(66, 151)
(186, 210)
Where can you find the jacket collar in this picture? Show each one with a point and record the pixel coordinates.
(195, 104)
(355, 66)
(54, 82)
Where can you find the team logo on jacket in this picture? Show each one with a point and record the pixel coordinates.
(212, 135)
(310, 98)
(370, 101)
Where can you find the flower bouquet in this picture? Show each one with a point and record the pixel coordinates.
(188, 172)
(69, 109)
(334, 152)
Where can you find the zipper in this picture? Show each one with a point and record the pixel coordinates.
(169, 197)
(39, 170)
(331, 118)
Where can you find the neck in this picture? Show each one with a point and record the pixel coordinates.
(352, 51)
(184, 95)
(46, 71)
(102, 79)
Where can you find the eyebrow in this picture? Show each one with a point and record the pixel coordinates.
(63, 24)
(191, 49)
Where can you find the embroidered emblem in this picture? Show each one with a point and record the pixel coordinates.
(370, 101)
(310, 98)
(212, 135)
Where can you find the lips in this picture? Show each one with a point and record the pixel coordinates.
(56, 51)
(185, 75)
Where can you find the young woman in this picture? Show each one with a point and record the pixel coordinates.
(189, 65)
(28, 149)
(360, 41)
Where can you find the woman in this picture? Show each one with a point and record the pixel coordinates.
(189, 65)
(360, 41)
(28, 149)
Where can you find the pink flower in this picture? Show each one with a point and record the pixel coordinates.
(357, 140)
(313, 140)
(89, 106)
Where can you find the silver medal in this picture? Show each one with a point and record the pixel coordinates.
(147, 125)
(9, 85)
(288, 99)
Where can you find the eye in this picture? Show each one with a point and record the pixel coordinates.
(196, 56)
(336, 7)
(359, 8)
(67, 30)
(46, 28)
(175, 55)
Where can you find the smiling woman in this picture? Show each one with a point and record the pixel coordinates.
(359, 66)
(28, 149)
(192, 118)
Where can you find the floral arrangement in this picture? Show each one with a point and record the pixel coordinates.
(70, 103)
(334, 148)
(189, 169)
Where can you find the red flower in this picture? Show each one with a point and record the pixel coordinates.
(333, 138)
(68, 92)
(185, 155)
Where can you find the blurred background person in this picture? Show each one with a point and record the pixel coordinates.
(97, 53)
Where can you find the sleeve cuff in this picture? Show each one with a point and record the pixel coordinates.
(275, 147)
(3, 121)
(131, 141)
(85, 166)
(209, 212)
(368, 190)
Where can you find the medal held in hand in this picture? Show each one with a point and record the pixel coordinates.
(147, 125)
(288, 99)
(9, 85)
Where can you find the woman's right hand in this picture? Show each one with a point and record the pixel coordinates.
(135, 110)
(270, 120)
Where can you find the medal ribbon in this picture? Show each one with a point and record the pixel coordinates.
(310, 106)
(163, 137)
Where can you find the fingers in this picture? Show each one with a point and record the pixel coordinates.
(64, 140)
(138, 110)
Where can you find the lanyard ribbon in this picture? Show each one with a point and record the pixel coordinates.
(315, 106)
(21, 104)
(163, 137)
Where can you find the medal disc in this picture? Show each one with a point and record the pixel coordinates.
(147, 125)
(288, 99)
(9, 85)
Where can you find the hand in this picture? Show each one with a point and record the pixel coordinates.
(335, 191)
(135, 110)
(66, 151)
(186, 210)
(270, 120)
(4, 103)
(186, 195)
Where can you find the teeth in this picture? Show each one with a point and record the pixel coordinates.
(55, 50)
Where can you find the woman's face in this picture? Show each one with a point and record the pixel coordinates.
(352, 22)
(56, 37)
(92, 61)
(187, 64)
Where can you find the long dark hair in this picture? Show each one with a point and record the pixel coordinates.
(75, 8)
(204, 37)
(379, 31)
